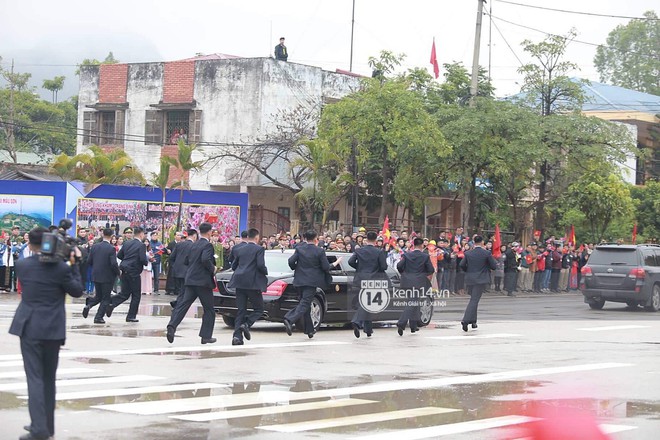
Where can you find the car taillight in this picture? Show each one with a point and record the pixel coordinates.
(276, 288)
(586, 271)
(637, 273)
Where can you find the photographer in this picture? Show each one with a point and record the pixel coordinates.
(40, 322)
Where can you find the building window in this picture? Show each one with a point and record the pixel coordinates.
(284, 212)
(107, 127)
(103, 127)
(177, 126)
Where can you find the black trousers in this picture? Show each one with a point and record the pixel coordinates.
(40, 359)
(362, 319)
(102, 297)
(509, 282)
(303, 308)
(179, 289)
(411, 314)
(205, 295)
(475, 291)
(242, 317)
(130, 287)
(536, 284)
(554, 279)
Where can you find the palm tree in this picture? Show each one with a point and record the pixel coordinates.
(114, 167)
(185, 163)
(160, 181)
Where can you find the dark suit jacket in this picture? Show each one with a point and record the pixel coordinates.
(41, 314)
(230, 258)
(178, 257)
(310, 265)
(369, 262)
(133, 256)
(249, 268)
(103, 259)
(201, 264)
(477, 264)
(415, 267)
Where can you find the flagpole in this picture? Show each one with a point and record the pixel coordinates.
(474, 85)
(350, 65)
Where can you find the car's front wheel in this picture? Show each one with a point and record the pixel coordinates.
(597, 303)
(655, 299)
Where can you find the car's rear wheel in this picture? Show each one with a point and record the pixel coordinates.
(426, 312)
(315, 312)
(230, 321)
(597, 303)
(655, 299)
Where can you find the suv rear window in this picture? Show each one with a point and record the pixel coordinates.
(613, 256)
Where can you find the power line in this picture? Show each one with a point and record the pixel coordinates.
(593, 14)
(507, 43)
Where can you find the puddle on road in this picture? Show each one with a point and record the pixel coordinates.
(97, 361)
(81, 404)
(123, 332)
(202, 354)
(10, 400)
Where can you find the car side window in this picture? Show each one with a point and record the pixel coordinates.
(331, 260)
(650, 258)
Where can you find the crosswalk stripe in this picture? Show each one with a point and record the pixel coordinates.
(91, 394)
(356, 420)
(449, 429)
(467, 336)
(612, 327)
(268, 410)
(204, 403)
(19, 386)
(173, 349)
(60, 372)
(11, 364)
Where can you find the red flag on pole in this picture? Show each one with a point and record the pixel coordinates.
(571, 238)
(497, 242)
(634, 235)
(434, 61)
(386, 228)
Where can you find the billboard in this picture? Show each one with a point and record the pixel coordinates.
(25, 211)
(119, 214)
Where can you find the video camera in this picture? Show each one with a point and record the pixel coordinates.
(57, 245)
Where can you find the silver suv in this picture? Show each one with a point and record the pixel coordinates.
(623, 273)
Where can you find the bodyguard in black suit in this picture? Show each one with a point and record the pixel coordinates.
(250, 280)
(311, 271)
(179, 266)
(40, 322)
(477, 264)
(415, 268)
(370, 263)
(133, 256)
(199, 283)
(103, 259)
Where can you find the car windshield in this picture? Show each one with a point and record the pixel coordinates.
(276, 262)
(614, 257)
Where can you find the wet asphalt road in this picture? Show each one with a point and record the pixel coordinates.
(530, 355)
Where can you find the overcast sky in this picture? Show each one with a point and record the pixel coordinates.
(48, 38)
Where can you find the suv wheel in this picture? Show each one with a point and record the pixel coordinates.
(315, 312)
(655, 299)
(597, 303)
(230, 321)
(426, 312)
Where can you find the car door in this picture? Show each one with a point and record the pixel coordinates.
(337, 293)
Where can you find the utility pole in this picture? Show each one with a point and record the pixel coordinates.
(354, 195)
(350, 65)
(474, 85)
(490, 39)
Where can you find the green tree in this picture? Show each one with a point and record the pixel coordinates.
(631, 57)
(114, 167)
(185, 163)
(54, 85)
(109, 59)
(601, 199)
(647, 209)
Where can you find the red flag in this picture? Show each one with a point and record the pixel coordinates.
(434, 61)
(634, 237)
(386, 228)
(497, 242)
(571, 237)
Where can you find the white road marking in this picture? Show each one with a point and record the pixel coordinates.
(224, 401)
(613, 327)
(356, 420)
(173, 349)
(268, 410)
(612, 429)
(11, 364)
(449, 429)
(60, 371)
(131, 391)
(467, 336)
(19, 386)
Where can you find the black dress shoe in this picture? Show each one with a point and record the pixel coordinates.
(30, 436)
(132, 320)
(173, 304)
(400, 330)
(356, 330)
(413, 330)
(464, 325)
(288, 327)
(28, 428)
(99, 321)
(85, 312)
(369, 334)
(170, 334)
(246, 331)
(474, 325)
(237, 341)
(311, 335)
(108, 310)
(208, 340)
